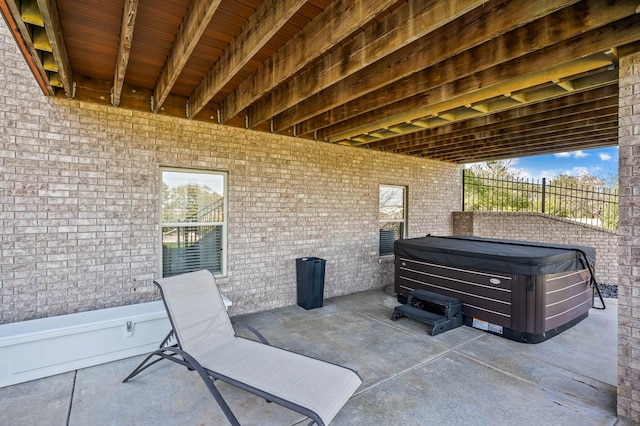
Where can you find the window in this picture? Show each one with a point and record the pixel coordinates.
(393, 217)
(193, 222)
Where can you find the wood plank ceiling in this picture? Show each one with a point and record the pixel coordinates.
(455, 80)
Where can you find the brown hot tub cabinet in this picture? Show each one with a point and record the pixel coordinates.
(527, 292)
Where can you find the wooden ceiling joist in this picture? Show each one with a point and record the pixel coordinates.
(457, 80)
(481, 93)
(51, 20)
(577, 47)
(502, 126)
(522, 134)
(411, 21)
(22, 35)
(580, 102)
(124, 48)
(197, 19)
(333, 25)
(556, 143)
(265, 22)
(496, 52)
(432, 51)
(549, 148)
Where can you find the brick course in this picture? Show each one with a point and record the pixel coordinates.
(629, 242)
(79, 192)
(544, 228)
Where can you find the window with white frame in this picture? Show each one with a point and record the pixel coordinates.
(393, 217)
(193, 221)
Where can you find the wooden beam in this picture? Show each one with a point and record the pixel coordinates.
(497, 127)
(561, 108)
(126, 35)
(479, 93)
(517, 146)
(49, 12)
(338, 21)
(266, 21)
(21, 35)
(628, 49)
(545, 33)
(585, 142)
(497, 32)
(503, 108)
(566, 85)
(524, 132)
(586, 139)
(598, 40)
(527, 133)
(199, 14)
(409, 22)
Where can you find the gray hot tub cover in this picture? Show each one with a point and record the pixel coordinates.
(486, 254)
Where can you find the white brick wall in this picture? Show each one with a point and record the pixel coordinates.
(79, 188)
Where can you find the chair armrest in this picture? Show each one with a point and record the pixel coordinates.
(252, 330)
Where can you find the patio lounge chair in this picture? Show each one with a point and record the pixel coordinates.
(207, 343)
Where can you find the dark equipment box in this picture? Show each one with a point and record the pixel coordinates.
(524, 291)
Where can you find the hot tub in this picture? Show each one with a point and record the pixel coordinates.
(524, 291)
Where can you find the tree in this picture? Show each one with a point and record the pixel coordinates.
(186, 202)
(496, 169)
(585, 197)
(495, 186)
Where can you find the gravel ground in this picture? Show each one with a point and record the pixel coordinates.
(608, 290)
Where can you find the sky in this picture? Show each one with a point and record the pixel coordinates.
(600, 162)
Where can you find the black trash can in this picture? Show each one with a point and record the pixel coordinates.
(310, 280)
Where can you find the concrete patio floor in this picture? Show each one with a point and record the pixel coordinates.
(462, 377)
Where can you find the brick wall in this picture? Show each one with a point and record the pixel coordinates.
(544, 228)
(629, 281)
(79, 189)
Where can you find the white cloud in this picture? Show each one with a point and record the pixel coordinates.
(604, 156)
(574, 154)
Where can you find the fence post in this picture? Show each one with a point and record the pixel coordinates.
(463, 185)
(544, 185)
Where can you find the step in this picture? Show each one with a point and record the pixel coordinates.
(419, 314)
(421, 305)
(435, 298)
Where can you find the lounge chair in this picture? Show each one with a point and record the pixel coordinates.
(207, 343)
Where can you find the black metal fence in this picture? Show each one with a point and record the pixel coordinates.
(588, 204)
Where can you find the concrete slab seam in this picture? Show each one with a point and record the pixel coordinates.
(407, 370)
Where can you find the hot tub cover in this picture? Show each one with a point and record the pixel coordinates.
(486, 254)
